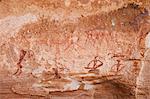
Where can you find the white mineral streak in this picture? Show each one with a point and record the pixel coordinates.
(26, 70)
(74, 16)
(57, 15)
(88, 86)
(67, 3)
(39, 88)
(113, 22)
(74, 39)
(74, 85)
(147, 41)
(86, 75)
(38, 71)
(12, 24)
(143, 81)
(36, 85)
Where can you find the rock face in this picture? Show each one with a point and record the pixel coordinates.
(143, 81)
(68, 49)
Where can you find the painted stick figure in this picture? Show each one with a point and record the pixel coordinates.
(96, 36)
(90, 38)
(73, 42)
(58, 69)
(118, 66)
(56, 73)
(94, 64)
(22, 55)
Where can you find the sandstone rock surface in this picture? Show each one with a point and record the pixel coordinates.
(75, 49)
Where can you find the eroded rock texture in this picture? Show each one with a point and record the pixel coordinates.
(74, 49)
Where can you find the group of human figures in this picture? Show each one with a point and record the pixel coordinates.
(96, 63)
(73, 42)
(91, 66)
